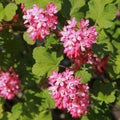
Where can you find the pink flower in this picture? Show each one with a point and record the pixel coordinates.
(9, 84)
(51, 9)
(52, 21)
(77, 40)
(23, 8)
(72, 23)
(69, 93)
(39, 21)
(84, 23)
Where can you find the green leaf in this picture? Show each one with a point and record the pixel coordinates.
(117, 1)
(23, 117)
(84, 117)
(48, 102)
(102, 11)
(75, 8)
(29, 3)
(58, 3)
(107, 46)
(45, 61)
(40, 3)
(1, 110)
(104, 92)
(118, 100)
(117, 33)
(117, 46)
(10, 11)
(44, 115)
(36, 101)
(71, 8)
(103, 45)
(27, 39)
(51, 41)
(116, 67)
(1, 107)
(84, 74)
(16, 112)
(106, 98)
(1, 11)
(107, 16)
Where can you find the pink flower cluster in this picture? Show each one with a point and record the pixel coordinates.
(39, 21)
(9, 84)
(69, 93)
(77, 40)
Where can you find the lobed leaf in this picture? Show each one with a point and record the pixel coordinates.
(104, 92)
(102, 12)
(1, 11)
(48, 102)
(75, 8)
(45, 61)
(10, 11)
(27, 39)
(84, 75)
(116, 67)
(40, 3)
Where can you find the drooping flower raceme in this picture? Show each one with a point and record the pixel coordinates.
(9, 84)
(69, 93)
(39, 21)
(77, 39)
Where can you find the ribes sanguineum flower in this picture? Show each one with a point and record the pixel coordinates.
(9, 84)
(77, 39)
(69, 93)
(40, 21)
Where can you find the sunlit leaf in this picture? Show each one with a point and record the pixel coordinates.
(1, 107)
(48, 102)
(116, 67)
(84, 75)
(40, 3)
(1, 12)
(27, 39)
(45, 61)
(11, 7)
(16, 112)
(75, 8)
(102, 12)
